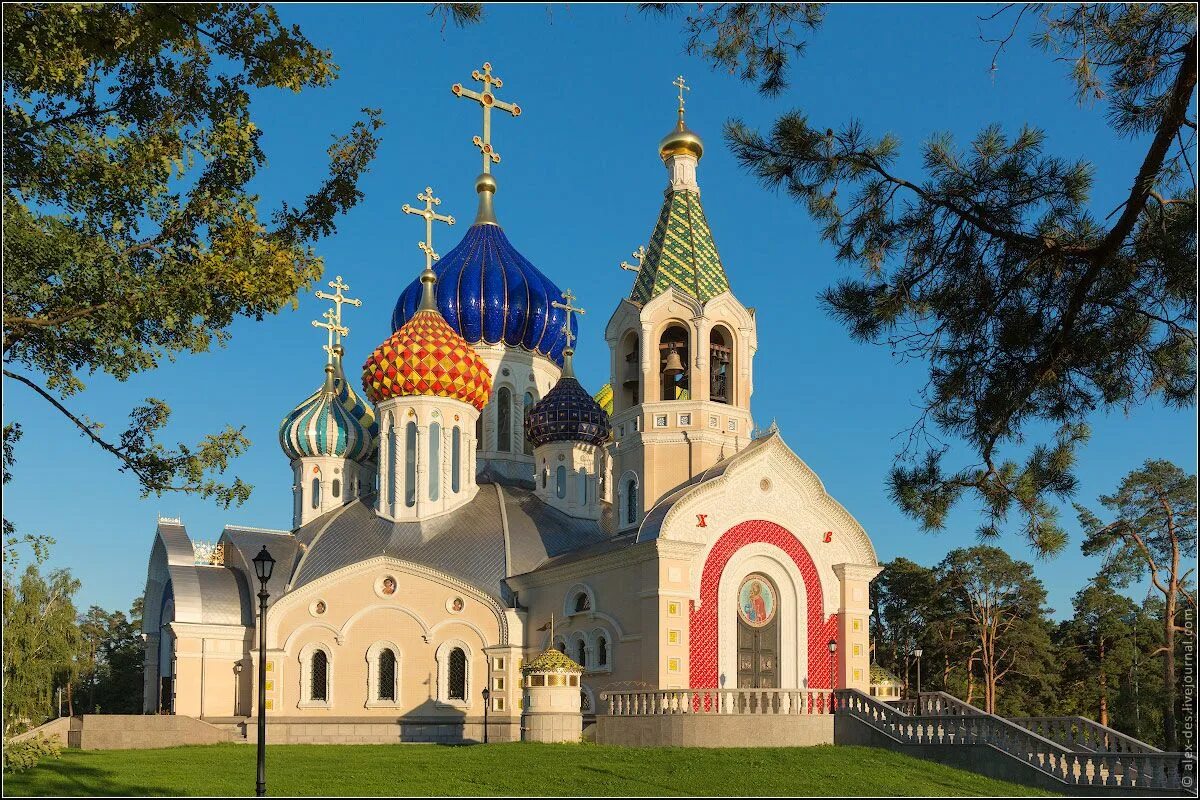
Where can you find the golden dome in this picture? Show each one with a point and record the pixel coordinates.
(680, 141)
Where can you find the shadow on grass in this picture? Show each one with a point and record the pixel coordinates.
(73, 779)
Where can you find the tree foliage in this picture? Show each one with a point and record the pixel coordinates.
(112, 660)
(1028, 305)
(756, 41)
(131, 233)
(1153, 536)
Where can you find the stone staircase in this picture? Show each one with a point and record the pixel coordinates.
(1071, 755)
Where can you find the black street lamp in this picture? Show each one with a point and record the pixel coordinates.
(487, 695)
(263, 564)
(833, 661)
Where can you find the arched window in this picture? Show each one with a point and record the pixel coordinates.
(631, 501)
(455, 459)
(435, 461)
(387, 675)
(316, 492)
(391, 468)
(720, 365)
(318, 687)
(602, 651)
(585, 701)
(545, 476)
(674, 363)
(456, 683)
(560, 480)
(582, 602)
(410, 464)
(337, 488)
(581, 653)
(625, 394)
(581, 487)
(562, 647)
(529, 401)
(479, 432)
(504, 420)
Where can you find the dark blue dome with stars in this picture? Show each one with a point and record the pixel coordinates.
(567, 413)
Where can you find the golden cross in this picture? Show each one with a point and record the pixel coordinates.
(338, 299)
(488, 100)
(640, 255)
(682, 88)
(569, 296)
(430, 215)
(330, 324)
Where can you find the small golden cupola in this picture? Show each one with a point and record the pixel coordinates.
(681, 140)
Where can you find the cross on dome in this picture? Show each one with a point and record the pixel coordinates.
(338, 299)
(488, 100)
(430, 217)
(569, 296)
(640, 255)
(334, 329)
(683, 87)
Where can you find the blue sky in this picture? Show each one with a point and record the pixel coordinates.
(580, 187)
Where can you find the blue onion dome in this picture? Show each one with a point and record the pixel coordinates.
(331, 422)
(567, 413)
(488, 292)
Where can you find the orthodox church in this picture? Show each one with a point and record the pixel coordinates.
(467, 504)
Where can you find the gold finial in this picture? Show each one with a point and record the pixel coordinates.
(488, 100)
(338, 300)
(568, 351)
(640, 255)
(334, 329)
(428, 279)
(683, 87)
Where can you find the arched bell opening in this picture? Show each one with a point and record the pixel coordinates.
(720, 361)
(630, 377)
(673, 360)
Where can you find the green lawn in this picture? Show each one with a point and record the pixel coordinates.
(499, 769)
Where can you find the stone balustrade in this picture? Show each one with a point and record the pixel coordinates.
(960, 724)
(782, 702)
(1080, 733)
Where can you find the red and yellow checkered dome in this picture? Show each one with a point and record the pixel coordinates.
(426, 357)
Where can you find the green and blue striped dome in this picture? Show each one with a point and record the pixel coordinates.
(333, 421)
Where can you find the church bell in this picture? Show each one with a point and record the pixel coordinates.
(674, 365)
(633, 375)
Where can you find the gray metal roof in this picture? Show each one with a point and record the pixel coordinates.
(225, 599)
(468, 543)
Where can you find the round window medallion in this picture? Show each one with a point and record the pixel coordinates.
(318, 608)
(506, 371)
(455, 605)
(765, 484)
(387, 586)
(756, 601)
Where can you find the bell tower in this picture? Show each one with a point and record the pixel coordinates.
(682, 348)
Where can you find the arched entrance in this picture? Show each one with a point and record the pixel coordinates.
(757, 633)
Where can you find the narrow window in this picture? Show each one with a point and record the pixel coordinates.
(319, 690)
(560, 479)
(582, 603)
(337, 488)
(545, 476)
(410, 464)
(631, 501)
(435, 461)
(529, 401)
(581, 487)
(479, 431)
(581, 653)
(504, 420)
(316, 493)
(585, 702)
(455, 459)
(457, 683)
(387, 674)
(391, 468)
(602, 651)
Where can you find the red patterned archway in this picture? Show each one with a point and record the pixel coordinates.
(703, 624)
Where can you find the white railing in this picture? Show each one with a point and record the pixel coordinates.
(1081, 733)
(719, 701)
(1075, 767)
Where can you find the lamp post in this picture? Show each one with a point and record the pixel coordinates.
(263, 564)
(917, 653)
(487, 695)
(833, 661)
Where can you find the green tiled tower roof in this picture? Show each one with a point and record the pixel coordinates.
(681, 253)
